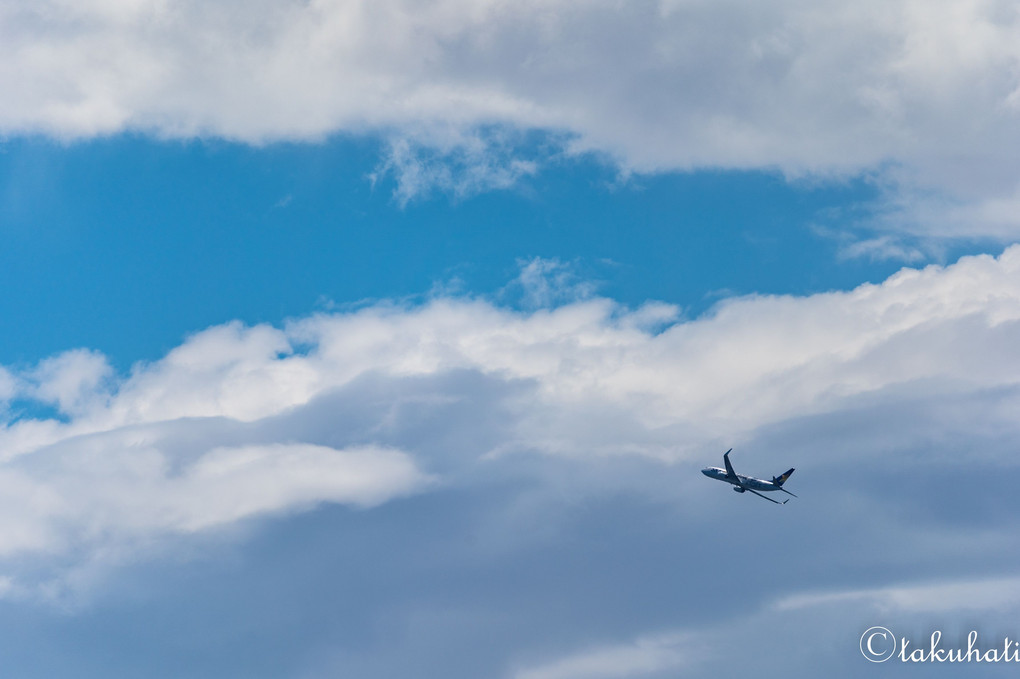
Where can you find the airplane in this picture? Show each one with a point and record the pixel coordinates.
(748, 483)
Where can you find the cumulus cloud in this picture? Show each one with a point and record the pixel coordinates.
(80, 507)
(8, 385)
(366, 406)
(70, 381)
(115, 487)
(923, 94)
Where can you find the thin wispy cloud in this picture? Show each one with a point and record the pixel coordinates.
(546, 283)
(988, 594)
(653, 655)
(455, 163)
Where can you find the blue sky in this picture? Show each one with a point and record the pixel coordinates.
(181, 235)
(389, 339)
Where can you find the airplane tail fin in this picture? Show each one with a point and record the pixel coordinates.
(781, 479)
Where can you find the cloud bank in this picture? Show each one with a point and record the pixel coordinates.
(924, 95)
(788, 632)
(363, 407)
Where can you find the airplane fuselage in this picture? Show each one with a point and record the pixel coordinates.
(741, 480)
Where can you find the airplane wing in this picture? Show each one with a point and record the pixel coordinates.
(765, 497)
(729, 467)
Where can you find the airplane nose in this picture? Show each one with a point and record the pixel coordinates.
(706, 471)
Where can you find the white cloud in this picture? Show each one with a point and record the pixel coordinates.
(117, 487)
(927, 90)
(364, 406)
(73, 381)
(228, 370)
(8, 385)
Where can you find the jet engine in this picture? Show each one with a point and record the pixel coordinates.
(738, 489)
